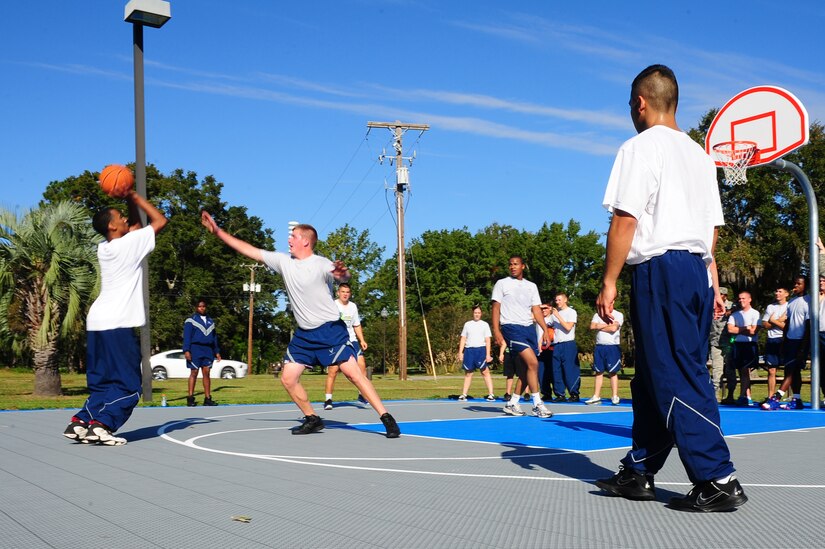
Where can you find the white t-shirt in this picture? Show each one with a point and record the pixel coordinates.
(777, 310)
(606, 338)
(569, 315)
(476, 332)
(797, 315)
(120, 303)
(517, 298)
(668, 183)
(743, 319)
(309, 286)
(349, 314)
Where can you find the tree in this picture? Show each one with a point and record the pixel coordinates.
(48, 277)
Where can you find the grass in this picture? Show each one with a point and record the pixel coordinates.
(16, 389)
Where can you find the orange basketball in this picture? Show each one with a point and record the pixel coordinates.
(116, 180)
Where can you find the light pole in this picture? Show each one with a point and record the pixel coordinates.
(252, 288)
(140, 13)
(384, 315)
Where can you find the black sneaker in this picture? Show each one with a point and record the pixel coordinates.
(629, 484)
(76, 429)
(506, 397)
(311, 424)
(711, 496)
(209, 402)
(574, 398)
(390, 425)
(559, 398)
(328, 404)
(190, 401)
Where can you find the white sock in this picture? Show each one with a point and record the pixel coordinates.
(329, 396)
(797, 395)
(515, 399)
(725, 480)
(537, 399)
(781, 393)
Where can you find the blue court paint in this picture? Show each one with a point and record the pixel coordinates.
(590, 431)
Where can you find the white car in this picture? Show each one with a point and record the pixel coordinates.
(170, 364)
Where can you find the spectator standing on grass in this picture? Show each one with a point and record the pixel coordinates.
(474, 353)
(200, 347)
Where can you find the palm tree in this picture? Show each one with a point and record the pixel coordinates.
(48, 276)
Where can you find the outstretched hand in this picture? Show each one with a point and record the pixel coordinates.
(340, 271)
(208, 222)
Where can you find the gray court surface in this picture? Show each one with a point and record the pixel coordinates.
(186, 472)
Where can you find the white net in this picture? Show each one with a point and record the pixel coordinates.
(734, 157)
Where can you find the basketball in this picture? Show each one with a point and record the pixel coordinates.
(116, 180)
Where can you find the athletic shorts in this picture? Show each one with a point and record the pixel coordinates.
(475, 358)
(357, 347)
(322, 346)
(790, 349)
(773, 352)
(202, 361)
(519, 338)
(607, 359)
(745, 355)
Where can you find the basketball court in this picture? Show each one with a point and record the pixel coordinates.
(462, 474)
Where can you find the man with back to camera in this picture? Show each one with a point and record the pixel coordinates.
(664, 198)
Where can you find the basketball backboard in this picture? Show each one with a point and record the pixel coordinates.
(769, 116)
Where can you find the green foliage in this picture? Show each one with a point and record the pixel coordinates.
(48, 276)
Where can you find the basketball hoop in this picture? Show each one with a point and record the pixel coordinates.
(734, 157)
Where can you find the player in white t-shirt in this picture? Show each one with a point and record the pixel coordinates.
(665, 205)
(607, 357)
(321, 337)
(113, 357)
(515, 309)
(744, 324)
(774, 322)
(474, 352)
(349, 314)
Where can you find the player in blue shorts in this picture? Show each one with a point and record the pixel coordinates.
(474, 352)
(516, 311)
(607, 358)
(321, 338)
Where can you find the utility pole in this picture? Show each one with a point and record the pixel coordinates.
(252, 288)
(402, 181)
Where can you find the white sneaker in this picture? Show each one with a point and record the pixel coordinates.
(594, 400)
(542, 411)
(513, 409)
(462, 398)
(100, 433)
(615, 400)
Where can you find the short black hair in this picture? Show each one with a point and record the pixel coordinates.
(657, 84)
(201, 300)
(101, 220)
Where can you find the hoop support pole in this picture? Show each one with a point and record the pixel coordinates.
(813, 254)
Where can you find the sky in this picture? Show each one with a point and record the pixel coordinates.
(526, 101)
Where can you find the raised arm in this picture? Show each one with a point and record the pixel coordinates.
(240, 246)
(154, 216)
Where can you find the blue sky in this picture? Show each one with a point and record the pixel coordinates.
(527, 101)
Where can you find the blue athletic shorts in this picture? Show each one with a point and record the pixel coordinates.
(357, 347)
(607, 359)
(745, 355)
(325, 345)
(475, 358)
(773, 352)
(519, 338)
(790, 350)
